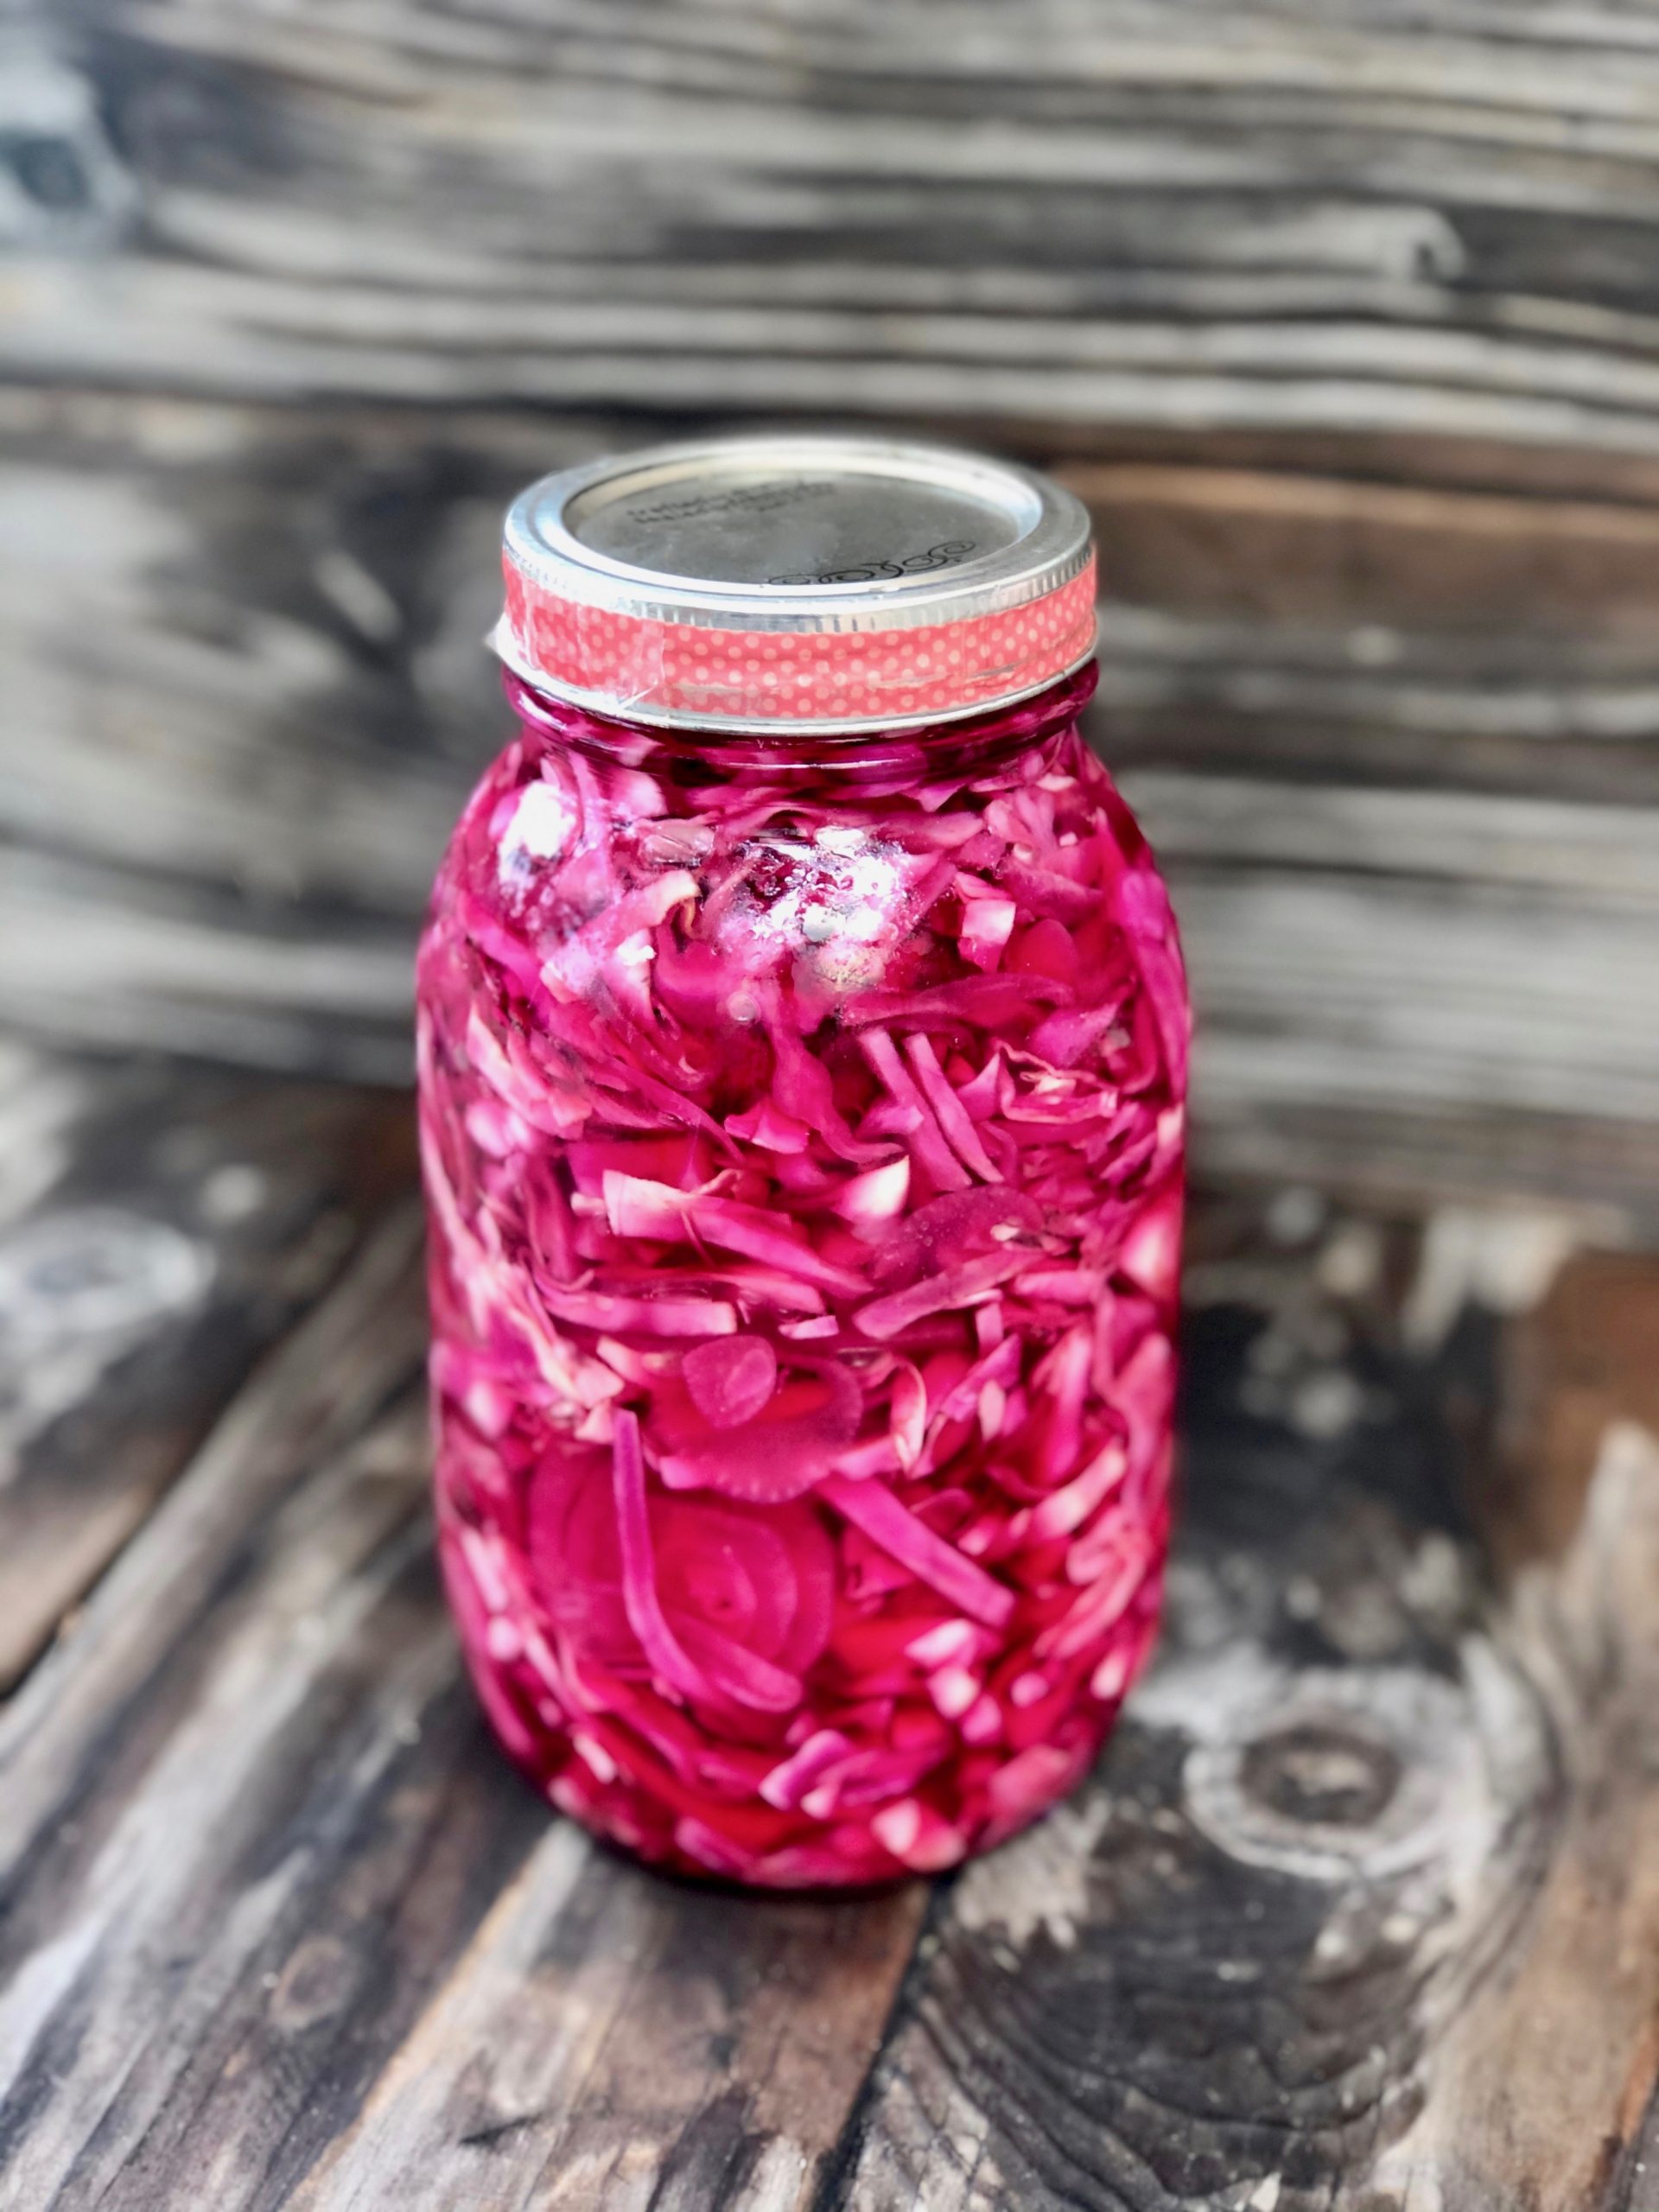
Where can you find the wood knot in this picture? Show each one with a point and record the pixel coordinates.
(1339, 1773)
(1319, 1774)
(61, 183)
(318, 1983)
(83, 1275)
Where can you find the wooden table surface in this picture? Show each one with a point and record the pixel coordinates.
(1360, 1911)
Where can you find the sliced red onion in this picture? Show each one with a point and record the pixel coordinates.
(874, 1509)
(804, 1152)
(730, 1378)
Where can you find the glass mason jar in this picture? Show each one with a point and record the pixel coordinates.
(803, 1042)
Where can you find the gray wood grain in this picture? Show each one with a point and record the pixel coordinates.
(1343, 320)
(1259, 218)
(160, 1226)
(1422, 883)
(1602, 1174)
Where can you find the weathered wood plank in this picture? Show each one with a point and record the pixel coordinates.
(241, 793)
(280, 1926)
(1513, 711)
(1541, 2082)
(91, 954)
(1344, 321)
(1389, 1160)
(1363, 1902)
(247, 645)
(1363, 1908)
(1463, 996)
(249, 693)
(1480, 840)
(160, 1225)
(610, 2040)
(1317, 549)
(1259, 218)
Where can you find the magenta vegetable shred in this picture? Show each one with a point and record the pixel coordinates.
(803, 1051)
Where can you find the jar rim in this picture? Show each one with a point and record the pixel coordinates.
(919, 582)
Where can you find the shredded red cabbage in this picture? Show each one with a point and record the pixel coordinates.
(803, 1125)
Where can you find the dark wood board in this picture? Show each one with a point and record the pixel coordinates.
(161, 1225)
(1361, 1907)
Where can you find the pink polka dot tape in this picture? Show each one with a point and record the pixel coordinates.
(639, 666)
(829, 583)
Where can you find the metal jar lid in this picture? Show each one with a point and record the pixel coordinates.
(821, 582)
